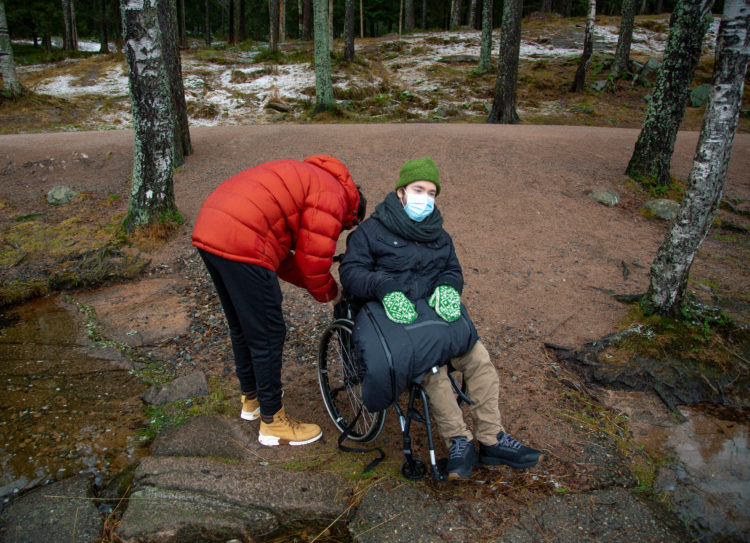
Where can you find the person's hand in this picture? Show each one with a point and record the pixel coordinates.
(339, 296)
(398, 308)
(446, 301)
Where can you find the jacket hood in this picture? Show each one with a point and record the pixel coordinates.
(337, 169)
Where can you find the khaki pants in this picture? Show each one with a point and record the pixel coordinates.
(482, 388)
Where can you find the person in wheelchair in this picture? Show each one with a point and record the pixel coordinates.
(402, 254)
(279, 219)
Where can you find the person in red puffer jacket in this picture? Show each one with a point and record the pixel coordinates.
(279, 219)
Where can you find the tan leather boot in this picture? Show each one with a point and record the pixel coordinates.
(250, 408)
(284, 430)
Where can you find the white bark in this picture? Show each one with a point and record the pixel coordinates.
(152, 190)
(669, 272)
(11, 84)
(588, 49)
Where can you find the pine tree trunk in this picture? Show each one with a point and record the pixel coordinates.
(588, 48)
(70, 36)
(455, 15)
(232, 37)
(349, 31)
(307, 20)
(653, 150)
(485, 49)
(409, 16)
(11, 84)
(323, 81)
(472, 14)
(282, 20)
(424, 14)
(207, 26)
(624, 41)
(152, 190)
(173, 67)
(181, 33)
(671, 267)
(330, 25)
(273, 21)
(104, 47)
(504, 103)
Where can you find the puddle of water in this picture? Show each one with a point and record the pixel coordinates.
(65, 407)
(710, 486)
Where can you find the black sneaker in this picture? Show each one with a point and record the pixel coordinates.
(463, 456)
(508, 451)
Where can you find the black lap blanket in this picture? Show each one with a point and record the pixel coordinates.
(395, 354)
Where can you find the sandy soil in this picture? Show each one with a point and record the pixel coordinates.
(540, 257)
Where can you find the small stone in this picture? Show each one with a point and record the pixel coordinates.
(60, 195)
(699, 95)
(608, 197)
(663, 208)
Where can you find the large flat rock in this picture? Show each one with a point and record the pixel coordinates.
(188, 500)
(62, 511)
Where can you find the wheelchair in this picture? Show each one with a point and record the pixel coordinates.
(340, 376)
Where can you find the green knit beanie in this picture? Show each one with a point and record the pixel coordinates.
(421, 169)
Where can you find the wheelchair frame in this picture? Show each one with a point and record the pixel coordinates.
(340, 378)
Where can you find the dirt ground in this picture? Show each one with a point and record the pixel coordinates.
(540, 258)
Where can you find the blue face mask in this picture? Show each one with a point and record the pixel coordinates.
(419, 206)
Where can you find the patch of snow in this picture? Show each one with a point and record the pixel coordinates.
(111, 83)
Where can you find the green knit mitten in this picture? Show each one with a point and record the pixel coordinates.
(398, 308)
(446, 301)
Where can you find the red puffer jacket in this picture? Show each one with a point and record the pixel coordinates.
(284, 215)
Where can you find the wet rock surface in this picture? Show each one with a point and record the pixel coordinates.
(61, 511)
(182, 388)
(613, 515)
(191, 499)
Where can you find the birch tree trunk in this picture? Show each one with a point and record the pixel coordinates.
(624, 40)
(323, 81)
(504, 104)
(670, 269)
(588, 48)
(173, 66)
(349, 31)
(11, 84)
(653, 150)
(485, 48)
(152, 190)
(70, 36)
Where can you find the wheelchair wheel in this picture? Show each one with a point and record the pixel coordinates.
(340, 379)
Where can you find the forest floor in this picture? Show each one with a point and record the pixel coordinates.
(541, 259)
(420, 77)
(541, 262)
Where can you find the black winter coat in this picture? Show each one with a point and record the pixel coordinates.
(377, 262)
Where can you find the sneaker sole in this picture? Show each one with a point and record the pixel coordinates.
(273, 441)
(253, 415)
(492, 461)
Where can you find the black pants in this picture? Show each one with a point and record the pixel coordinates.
(251, 298)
